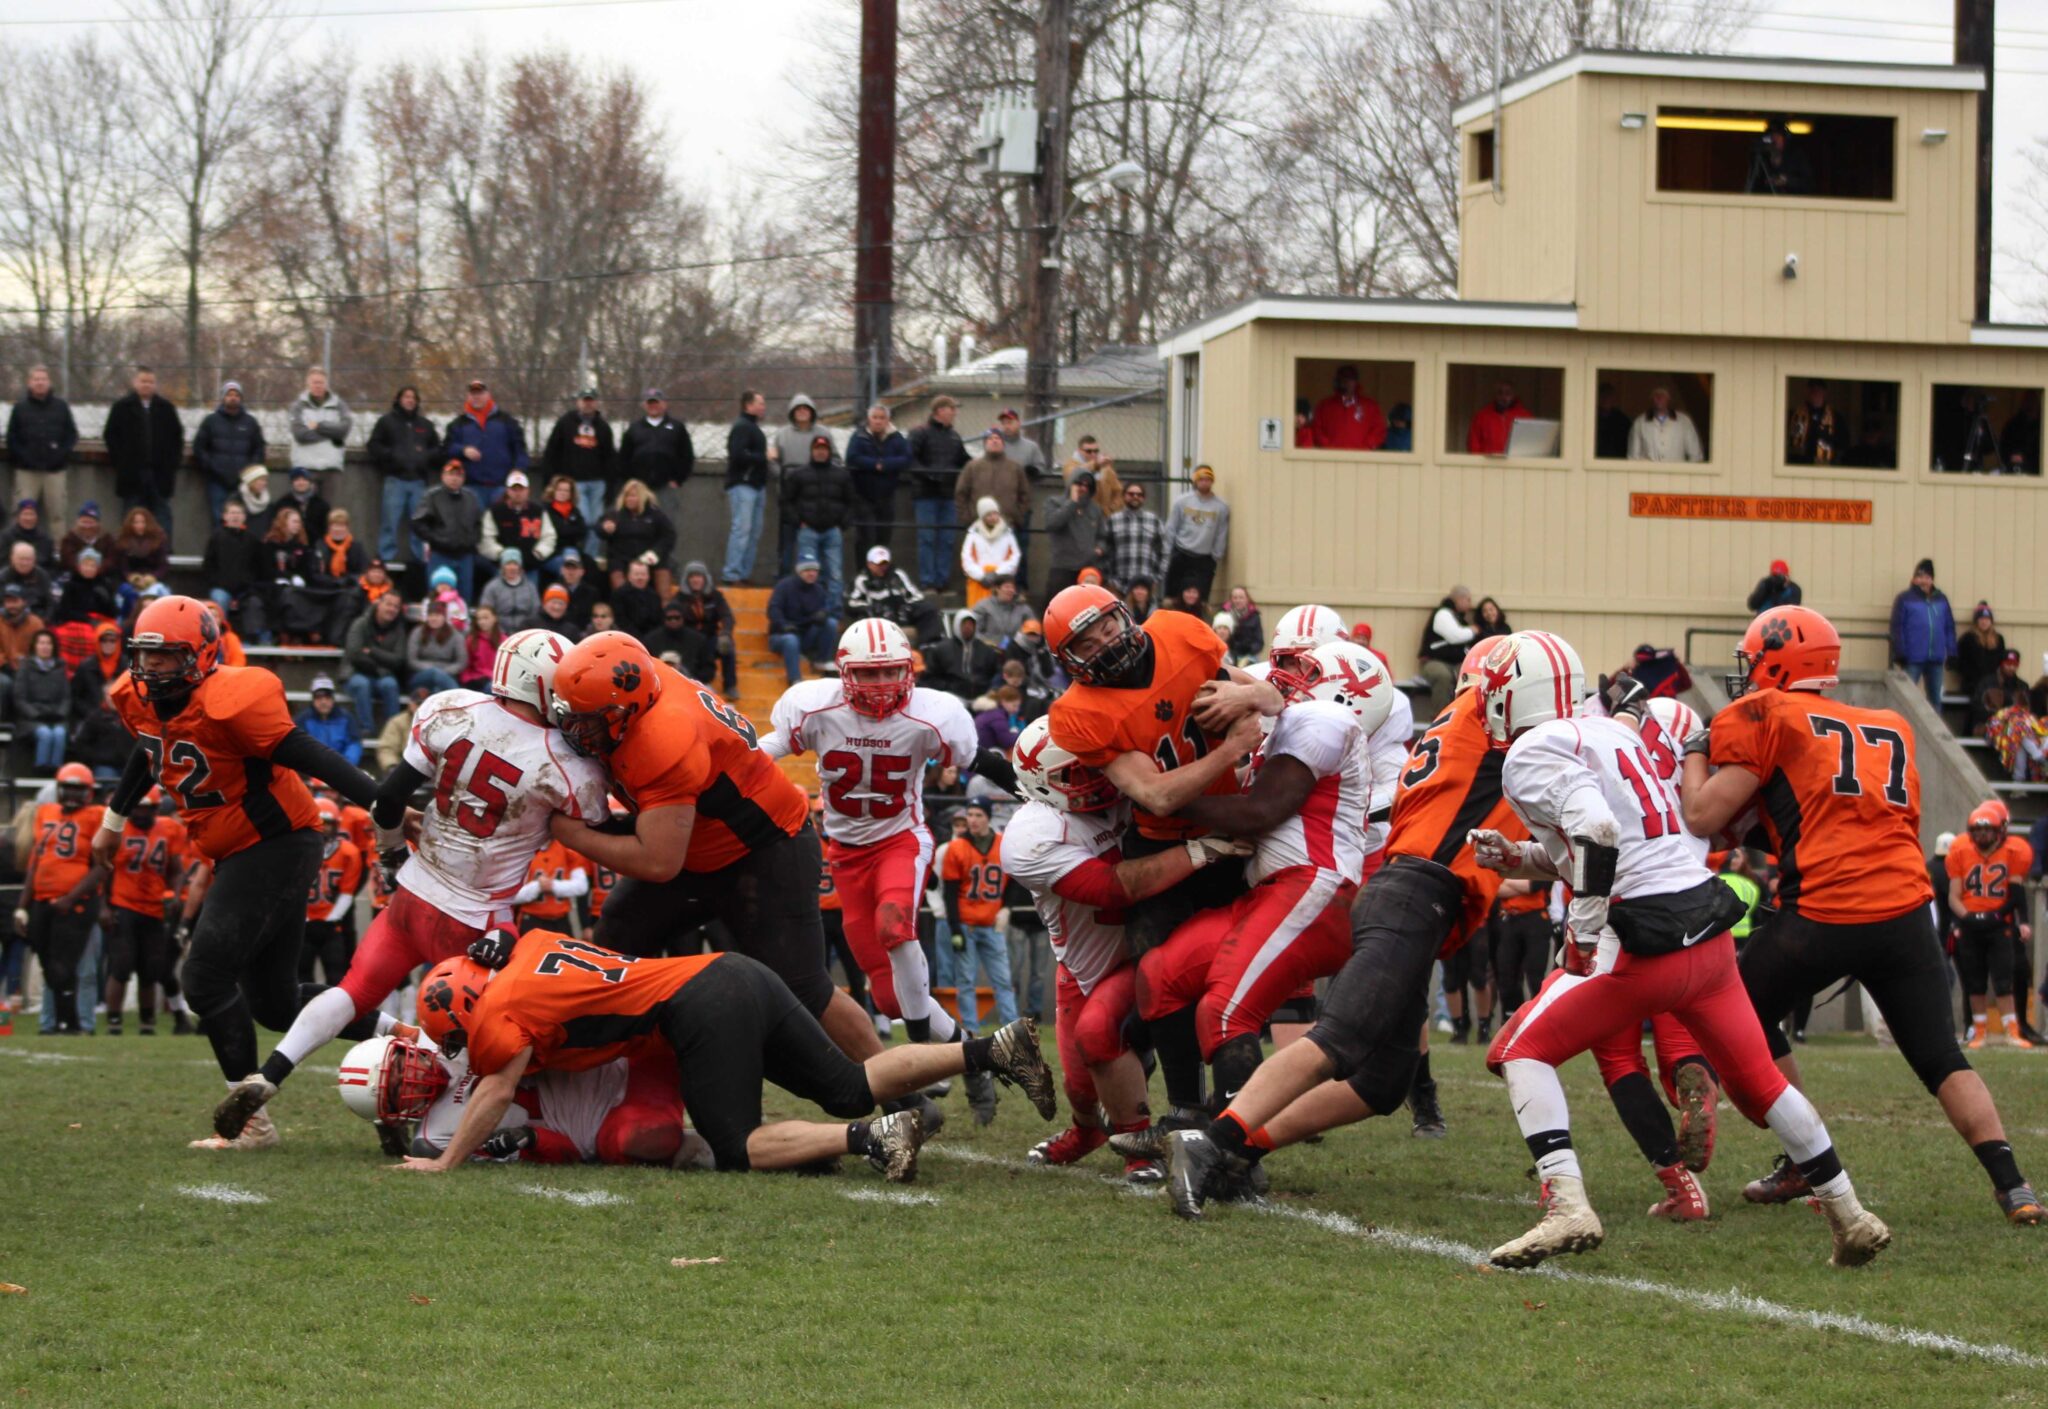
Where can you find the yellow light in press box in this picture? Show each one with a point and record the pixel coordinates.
(1686, 123)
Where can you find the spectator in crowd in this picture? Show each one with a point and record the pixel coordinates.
(305, 496)
(936, 458)
(436, 653)
(1189, 601)
(346, 560)
(1873, 449)
(583, 594)
(515, 521)
(397, 731)
(1449, 634)
(690, 648)
(1028, 652)
(254, 496)
(40, 438)
(1073, 530)
(511, 594)
(92, 677)
(373, 651)
(28, 528)
(635, 603)
(998, 725)
(601, 620)
(449, 524)
(882, 589)
(1814, 435)
(229, 439)
(1490, 620)
(636, 531)
(1304, 424)
(1775, 588)
(373, 583)
(1002, 611)
(582, 449)
(1138, 598)
(1979, 649)
(140, 546)
(1400, 429)
(975, 915)
(554, 611)
(232, 555)
(992, 475)
(818, 491)
(1197, 535)
(18, 627)
(1664, 432)
(442, 587)
(1225, 625)
(101, 741)
(86, 532)
(2021, 438)
(988, 551)
(1782, 169)
(485, 637)
(2000, 690)
(331, 725)
(85, 593)
(800, 622)
(1611, 426)
(656, 450)
(788, 449)
(1923, 632)
(1347, 419)
(405, 451)
(565, 517)
(1087, 456)
(41, 699)
(876, 457)
(2020, 736)
(705, 611)
(1021, 447)
(1247, 632)
(963, 664)
(145, 440)
(746, 482)
(1136, 539)
(320, 422)
(1487, 434)
(296, 596)
(490, 443)
(24, 571)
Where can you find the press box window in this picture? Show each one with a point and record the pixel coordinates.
(1349, 403)
(1665, 416)
(1985, 430)
(1479, 158)
(1729, 152)
(1490, 409)
(1850, 424)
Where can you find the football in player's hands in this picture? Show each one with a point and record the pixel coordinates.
(1203, 850)
(494, 949)
(1624, 696)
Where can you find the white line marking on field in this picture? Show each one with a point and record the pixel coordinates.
(1523, 1202)
(44, 1058)
(582, 1198)
(2036, 1131)
(221, 1194)
(1733, 1300)
(902, 1197)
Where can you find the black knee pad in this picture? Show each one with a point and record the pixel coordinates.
(1383, 1078)
(1233, 1064)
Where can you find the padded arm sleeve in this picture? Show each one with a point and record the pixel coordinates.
(1092, 883)
(388, 804)
(994, 765)
(302, 753)
(134, 783)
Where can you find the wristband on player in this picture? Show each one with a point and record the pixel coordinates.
(112, 821)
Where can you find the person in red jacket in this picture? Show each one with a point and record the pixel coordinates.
(1347, 419)
(1488, 433)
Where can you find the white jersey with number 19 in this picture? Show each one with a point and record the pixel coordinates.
(871, 770)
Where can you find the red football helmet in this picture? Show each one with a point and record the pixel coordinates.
(1073, 612)
(603, 684)
(1787, 648)
(448, 996)
(184, 627)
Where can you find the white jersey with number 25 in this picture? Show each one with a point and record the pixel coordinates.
(871, 770)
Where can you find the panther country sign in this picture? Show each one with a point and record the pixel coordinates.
(1748, 508)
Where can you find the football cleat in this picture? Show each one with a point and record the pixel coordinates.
(1568, 1225)
(1195, 1163)
(1859, 1234)
(244, 1099)
(2012, 1033)
(1074, 1143)
(257, 1134)
(931, 1118)
(2021, 1206)
(1976, 1040)
(893, 1143)
(1684, 1200)
(1144, 1171)
(1429, 1115)
(1149, 1142)
(940, 1089)
(1017, 1060)
(182, 1025)
(981, 1096)
(1782, 1185)
(1697, 1097)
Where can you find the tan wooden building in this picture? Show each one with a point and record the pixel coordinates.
(1784, 249)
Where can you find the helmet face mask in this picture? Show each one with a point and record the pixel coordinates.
(593, 733)
(183, 628)
(1117, 658)
(876, 672)
(601, 686)
(74, 786)
(1787, 648)
(1299, 632)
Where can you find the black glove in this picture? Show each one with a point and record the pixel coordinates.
(1624, 696)
(506, 1144)
(494, 949)
(389, 862)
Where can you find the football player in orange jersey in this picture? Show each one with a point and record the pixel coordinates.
(1837, 793)
(146, 875)
(1987, 902)
(223, 740)
(330, 926)
(63, 880)
(546, 1002)
(556, 877)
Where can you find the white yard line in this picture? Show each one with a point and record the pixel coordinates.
(34, 1058)
(902, 1197)
(221, 1194)
(582, 1198)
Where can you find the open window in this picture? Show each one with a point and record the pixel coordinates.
(1354, 404)
(1479, 158)
(1491, 409)
(1735, 152)
(1851, 424)
(1985, 430)
(1654, 416)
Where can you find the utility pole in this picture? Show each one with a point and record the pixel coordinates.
(1055, 81)
(1976, 44)
(874, 269)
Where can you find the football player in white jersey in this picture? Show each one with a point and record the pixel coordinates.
(1065, 846)
(1306, 812)
(874, 733)
(499, 771)
(1655, 923)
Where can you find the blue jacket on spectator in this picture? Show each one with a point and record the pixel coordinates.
(1923, 628)
(796, 605)
(500, 440)
(339, 731)
(877, 465)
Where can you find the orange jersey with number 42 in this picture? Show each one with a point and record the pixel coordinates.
(1987, 880)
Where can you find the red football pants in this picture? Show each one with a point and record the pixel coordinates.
(1620, 1053)
(404, 935)
(878, 888)
(1699, 986)
(1089, 1028)
(1238, 963)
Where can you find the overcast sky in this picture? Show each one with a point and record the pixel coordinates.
(726, 73)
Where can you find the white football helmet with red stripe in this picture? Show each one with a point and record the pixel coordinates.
(525, 668)
(1527, 679)
(1049, 774)
(1344, 673)
(876, 671)
(1675, 718)
(387, 1078)
(1301, 631)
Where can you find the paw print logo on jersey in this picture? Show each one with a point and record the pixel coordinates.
(1163, 710)
(626, 676)
(1777, 633)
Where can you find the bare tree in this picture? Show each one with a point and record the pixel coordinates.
(2030, 252)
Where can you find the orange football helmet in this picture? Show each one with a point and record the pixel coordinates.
(602, 685)
(1076, 609)
(1988, 822)
(185, 627)
(74, 786)
(1787, 648)
(1472, 670)
(448, 996)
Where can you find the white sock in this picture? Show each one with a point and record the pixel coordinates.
(176, 1004)
(1798, 1126)
(1832, 1188)
(1564, 1161)
(317, 1024)
(1538, 1098)
(913, 983)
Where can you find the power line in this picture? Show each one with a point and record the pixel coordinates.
(500, 6)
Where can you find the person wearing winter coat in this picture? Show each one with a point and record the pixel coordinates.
(85, 593)
(511, 594)
(41, 435)
(819, 492)
(1002, 611)
(373, 649)
(584, 594)
(141, 546)
(992, 475)
(789, 449)
(255, 499)
(876, 457)
(435, 652)
(485, 636)
(1073, 529)
(936, 458)
(746, 486)
(583, 447)
(691, 648)
(18, 628)
(228, 441)
(882, 589)
(405, 451)
(988, 550)
(449, 524)
(1247, 633)
(25, 572)
(801, 625)
(637, 531)
(28, 528)
(565, 516)
(1923, 632)
(331, 725)
(963, 664)
(490, 443)
(515, 521)
(320, 422)
(41, 700)
(303, 493)
(705, 611)
(145, 442)
(634, 603)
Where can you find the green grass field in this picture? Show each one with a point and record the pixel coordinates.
(332, 1280)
